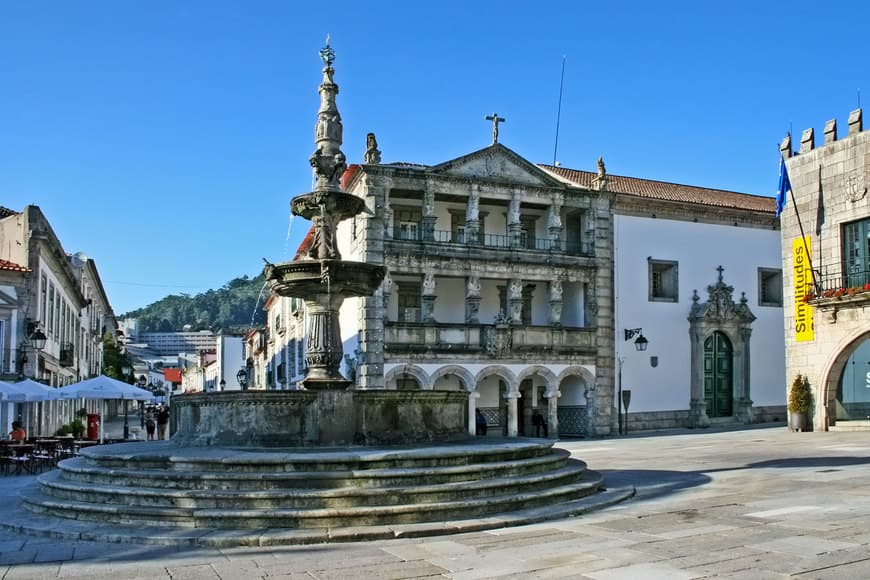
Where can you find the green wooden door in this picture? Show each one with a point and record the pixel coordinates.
(718, 375)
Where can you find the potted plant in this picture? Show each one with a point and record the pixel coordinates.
(800, 398)
(77, 428)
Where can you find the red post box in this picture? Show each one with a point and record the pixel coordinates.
(93, 426)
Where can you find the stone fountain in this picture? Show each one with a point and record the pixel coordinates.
(327, 410)
(324, 463)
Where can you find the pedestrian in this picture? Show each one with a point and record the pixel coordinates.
(480, 422)
(162, 421)
(150, 424)
(538, 423)
(17, 434)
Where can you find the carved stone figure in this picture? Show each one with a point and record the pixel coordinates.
(372, 155)
(515, 290)
(473, 288)
(556, 290)
(429, 284)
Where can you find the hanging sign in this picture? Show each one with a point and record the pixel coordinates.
(803, 285)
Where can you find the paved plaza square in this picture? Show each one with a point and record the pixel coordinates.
(753, 503)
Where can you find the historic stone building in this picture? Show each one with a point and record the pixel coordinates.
(826, 262)
(499, 282)
(56, 293)
(530, 286)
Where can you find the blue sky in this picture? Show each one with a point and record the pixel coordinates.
(165, 138)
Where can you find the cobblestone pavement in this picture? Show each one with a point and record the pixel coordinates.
(756, 503)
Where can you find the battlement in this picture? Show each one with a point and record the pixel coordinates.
(808, 139)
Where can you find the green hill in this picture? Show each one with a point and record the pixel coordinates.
(233, 308)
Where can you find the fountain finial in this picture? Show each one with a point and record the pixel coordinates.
(327, 55)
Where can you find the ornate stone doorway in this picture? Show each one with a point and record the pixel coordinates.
(718, 376)
(720, 331)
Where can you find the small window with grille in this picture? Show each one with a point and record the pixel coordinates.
(663, 281)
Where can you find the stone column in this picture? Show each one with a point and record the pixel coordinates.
(386, 291)
(511, 399)
(473, 235)
(472, 300)
(553, 413)
(472, 412)
(591, 403)
(697, 403)
(555, 288)
(554, 222)
(515, 300)
(742, 399)
(514, 225)
(427, 313)
(429, 218)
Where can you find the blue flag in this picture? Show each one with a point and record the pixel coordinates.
(784, 186)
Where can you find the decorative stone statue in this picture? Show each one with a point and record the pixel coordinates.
(515, 290)
(372, 155)
(429, 284)
(556, 290)
(473, 288)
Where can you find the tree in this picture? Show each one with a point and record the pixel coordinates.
(114, 360)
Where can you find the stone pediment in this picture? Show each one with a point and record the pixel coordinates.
(498, 163)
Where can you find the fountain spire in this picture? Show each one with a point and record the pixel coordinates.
(328, 161)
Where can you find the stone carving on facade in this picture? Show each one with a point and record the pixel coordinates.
(854, 187)
(719, 314)
(556, 290)
(372, 155)
(497, 338)
(429, 284)
(515, 290)
(472, 290)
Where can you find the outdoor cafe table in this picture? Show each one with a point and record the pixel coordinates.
(21, 456)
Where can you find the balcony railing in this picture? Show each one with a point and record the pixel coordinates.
(505, 241)
(835, 279)
(486, 338)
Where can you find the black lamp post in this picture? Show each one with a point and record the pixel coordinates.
(640, 344)
(223, 384)
(242, 378)
(141, 382)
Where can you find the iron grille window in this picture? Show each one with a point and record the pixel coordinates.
(663, 281)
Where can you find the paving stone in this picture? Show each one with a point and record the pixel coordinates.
(33, 572)
(393, 571)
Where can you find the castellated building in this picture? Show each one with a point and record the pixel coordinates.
(826, 266)
(530, 286)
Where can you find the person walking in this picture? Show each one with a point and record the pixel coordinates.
(162, 421)
(150, 425)
(480, 422)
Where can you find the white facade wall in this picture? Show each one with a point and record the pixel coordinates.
(699, 249)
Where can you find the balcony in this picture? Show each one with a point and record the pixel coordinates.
(838, 290)
(493, 341)
(496, 241)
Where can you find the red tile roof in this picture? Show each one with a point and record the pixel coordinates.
(667, 191)
(12, 267)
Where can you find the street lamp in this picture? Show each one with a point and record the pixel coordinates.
(640, 344)
(242, 378)
(141, 382)
(223, 384)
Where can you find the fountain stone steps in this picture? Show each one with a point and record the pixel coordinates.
(57, 484)
(85, 472)
(37, 501)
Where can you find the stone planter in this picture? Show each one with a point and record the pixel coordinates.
(797, 421)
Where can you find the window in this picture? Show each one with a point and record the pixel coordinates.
(409, 230)
(769, 287)
(527, 234)
(408, 220)
(457, 227)
(856, 253)
(51, 309)
(409, 302)
(663, 281)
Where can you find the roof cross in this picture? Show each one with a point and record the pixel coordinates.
(720, 269)
(495, 121)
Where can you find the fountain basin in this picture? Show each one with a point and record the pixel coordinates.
(318, 418)
(337, 204)
(305, 278)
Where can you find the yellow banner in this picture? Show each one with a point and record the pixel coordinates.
(803, 285)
